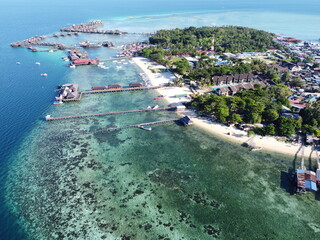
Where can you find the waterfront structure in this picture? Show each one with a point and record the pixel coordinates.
(135, 85)
(231, 79)
(87, 61)
(69, 92)
(186, 121)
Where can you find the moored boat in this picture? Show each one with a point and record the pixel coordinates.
(146, 128)
(160, 97)
(44, 74)
(57, 102)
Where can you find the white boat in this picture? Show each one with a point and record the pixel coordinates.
(155, 107)
(149, 107)
(50, 50)
(256, 149)
(18, 63)
(44, 74)
(37, 63)
(72, 66)
(146, 128)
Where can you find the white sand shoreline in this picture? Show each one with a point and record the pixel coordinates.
(228, 133)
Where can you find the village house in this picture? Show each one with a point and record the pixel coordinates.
(232, 90)
(232, 79)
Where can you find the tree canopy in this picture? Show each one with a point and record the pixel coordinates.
(233, 39)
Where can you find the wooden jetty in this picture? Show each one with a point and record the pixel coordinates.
(108, 90)
(125, 89)
(49, 118)
(106, 130)
(115, 59)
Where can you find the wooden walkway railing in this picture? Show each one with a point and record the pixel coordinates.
(49, 118)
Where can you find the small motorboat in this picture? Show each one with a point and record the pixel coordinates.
(57, 102)
(146, 128)
(37, 63)
(44, 75)
(18, 63)
(159, 97)
(72, 66)
(155, 107)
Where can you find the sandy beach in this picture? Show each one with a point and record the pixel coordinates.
(228, 133)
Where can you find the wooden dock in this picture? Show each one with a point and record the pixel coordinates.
(106, 130)
(125, 89)
(49, 118)
(115, 59)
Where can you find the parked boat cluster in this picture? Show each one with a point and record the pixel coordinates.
(91, 27)
(131, 49)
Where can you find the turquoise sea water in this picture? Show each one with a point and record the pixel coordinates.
(171, 182)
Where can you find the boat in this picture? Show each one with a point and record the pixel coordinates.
(149, 107)
(57, 102)
(72, 66)
(37, 63)
(155, 107)
(44, 74)
(18, 63)
(160, 97)
(146, 128)
(256, 149)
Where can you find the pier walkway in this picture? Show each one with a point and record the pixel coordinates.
(112, 90)
(106, 130)
(115, 59)
(119, 90)
(49, 118)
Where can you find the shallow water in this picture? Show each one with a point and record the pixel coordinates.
(171, 182)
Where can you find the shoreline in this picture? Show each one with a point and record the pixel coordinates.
(267, 143)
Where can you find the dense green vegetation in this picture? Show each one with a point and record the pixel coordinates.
(232, 39)
(260, 105)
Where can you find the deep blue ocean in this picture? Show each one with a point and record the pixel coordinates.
(25, 98)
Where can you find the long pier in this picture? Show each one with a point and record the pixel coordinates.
(49, 118)
(106, 130)
(125, 89)
(114, 59)
(120, 90)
